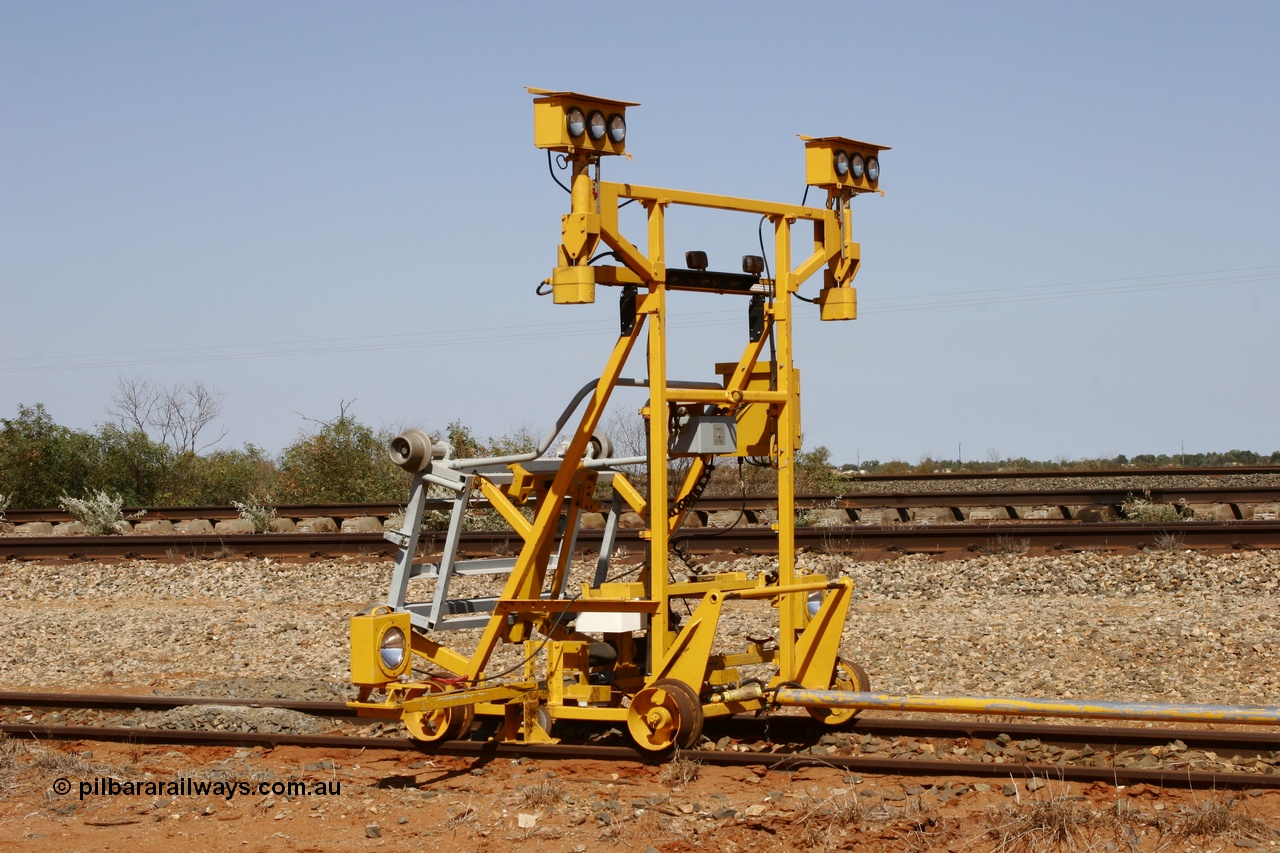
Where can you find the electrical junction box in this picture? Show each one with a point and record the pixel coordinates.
(716, 434)
(609, 623)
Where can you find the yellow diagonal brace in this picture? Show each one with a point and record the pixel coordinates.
(531, 563)
(505, 508)
(819, 645)
(687, 658)
(629, 494)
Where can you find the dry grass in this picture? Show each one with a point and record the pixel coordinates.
(547, 794)
(1036, 825)
(841, 544)
(679, 771)
(1071, 823)
(1013, 545)
(1215, 819)
(61, 763)
(828, 820)
(1166, 541)
(10, 749)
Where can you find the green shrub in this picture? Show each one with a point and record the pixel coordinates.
(131, 465)
(99, 512)
(40, 460)
(220, 477)
(257, 511)
(1142, 509)
(343, 461)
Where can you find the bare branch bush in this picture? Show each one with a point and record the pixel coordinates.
(175, 414)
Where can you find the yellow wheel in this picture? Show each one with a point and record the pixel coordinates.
(848, 678)
(440, 724)
(667, 713)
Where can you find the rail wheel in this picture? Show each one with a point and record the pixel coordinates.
(440, 724)
(667, 713)
(847, 677)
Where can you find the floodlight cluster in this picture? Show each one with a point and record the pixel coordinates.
(595, 125)
(856, 164)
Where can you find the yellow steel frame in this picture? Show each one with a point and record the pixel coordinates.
(807, 648)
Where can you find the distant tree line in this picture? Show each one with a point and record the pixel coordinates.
(340, 460)
(930, 465)
(151, 454)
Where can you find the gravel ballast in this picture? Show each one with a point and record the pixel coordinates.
(1166, 626)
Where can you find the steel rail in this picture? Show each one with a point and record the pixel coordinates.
(128, 702)
(788, 728)
(916, 768)
(1019, 706)
(1112, 496)
(1067, 473)
(778, 728)
(950, 539)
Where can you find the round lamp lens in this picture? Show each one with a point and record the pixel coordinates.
(842, 163)
(392, 648)
(873, 170)
(617, 128)
(858, 166)
(577, 122)
(595, 125)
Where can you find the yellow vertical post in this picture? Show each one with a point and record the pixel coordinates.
(790, 622)
(583, 197)
(659, 537)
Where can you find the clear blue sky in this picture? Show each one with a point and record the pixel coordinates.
(307, 203)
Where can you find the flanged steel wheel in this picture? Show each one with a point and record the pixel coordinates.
(440, 724)
(848, 677)
(667, 713)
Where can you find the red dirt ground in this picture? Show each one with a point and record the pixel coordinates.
(406, 801)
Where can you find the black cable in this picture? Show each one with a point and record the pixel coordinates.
(556, 177)
(742, 513)
(763, 254)
(797, 295)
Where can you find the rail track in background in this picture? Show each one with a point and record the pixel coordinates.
(953, 522)
(861, 541)
(1070, 502)
(774, 742)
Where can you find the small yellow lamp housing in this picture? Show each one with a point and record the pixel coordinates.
(380, 650)
(573, 123)
(834, 163)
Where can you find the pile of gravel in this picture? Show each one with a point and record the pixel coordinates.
(235, 718)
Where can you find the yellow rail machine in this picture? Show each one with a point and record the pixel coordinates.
(614, 650)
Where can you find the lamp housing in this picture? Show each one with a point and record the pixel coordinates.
(824, 156)
(551, 111)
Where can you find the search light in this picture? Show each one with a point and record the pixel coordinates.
(576, 122)
(617, 128)
(595, 125)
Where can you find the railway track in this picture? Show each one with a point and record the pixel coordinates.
(867, 541)
(1018, 504)
(1084, 753)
